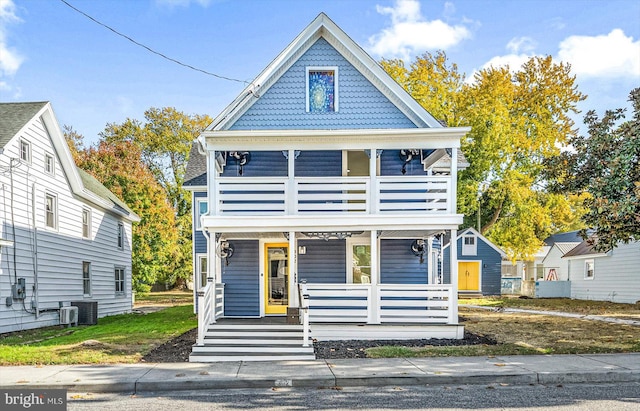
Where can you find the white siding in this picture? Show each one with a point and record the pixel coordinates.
(616, 276)
(57, 254)
(554, 260)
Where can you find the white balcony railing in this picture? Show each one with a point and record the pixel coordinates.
(320, 195)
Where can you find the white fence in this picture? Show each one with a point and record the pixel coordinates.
(275, 196)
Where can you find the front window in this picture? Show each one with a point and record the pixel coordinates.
(86, 278)
(49, 164)
(51, 211)
(322, 89)
(361, 263)
(201, 209)
(25, 151)
(119, 277)
(202, 266)
(589, 269)
(469, 245)
(120, 236)
(86, 223)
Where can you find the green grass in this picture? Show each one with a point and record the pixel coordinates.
(116, 339)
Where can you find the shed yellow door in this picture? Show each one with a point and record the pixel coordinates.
(468, 275)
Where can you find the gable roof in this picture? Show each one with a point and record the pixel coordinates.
(195, 174)
(584, 249)
(14, 116)
(473, 231)
(568, 237)
(85, 186)
(323, 27)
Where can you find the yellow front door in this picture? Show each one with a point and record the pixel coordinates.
(276, 278)
(468, 275)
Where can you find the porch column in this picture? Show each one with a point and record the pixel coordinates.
(212, 267)
(293, 270)
(212, 192)
(453, 274)
(291, 205)
(374, 304)
(453, 196)
(373, 181)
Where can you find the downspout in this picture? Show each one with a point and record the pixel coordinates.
(35, 249)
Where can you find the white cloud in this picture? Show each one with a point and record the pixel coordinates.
(524, 44)
(608, 55)
(10, 59)
(410, 33)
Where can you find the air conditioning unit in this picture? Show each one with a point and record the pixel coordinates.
(69, 315)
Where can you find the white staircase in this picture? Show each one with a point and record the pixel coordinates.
(226, 341)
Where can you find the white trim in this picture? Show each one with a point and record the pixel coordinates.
(198, 267)
(309, 69)
(196, 211)
(346, 222)
(469, 249)
(90, 279)
(89, 223)
(47, 156)
(585, 269)
(483, 238)
(29, 152)
(55, 210)
(343, 139)
(349, 243)
(123, 292)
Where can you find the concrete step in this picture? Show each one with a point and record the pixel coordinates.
(247, 348)
(254, 341)
(241, 356)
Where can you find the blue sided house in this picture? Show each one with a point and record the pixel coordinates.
(319, 195)
(479, 264)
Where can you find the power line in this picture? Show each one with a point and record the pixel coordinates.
(152, 50)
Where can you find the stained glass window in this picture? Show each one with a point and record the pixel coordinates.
(322, 91)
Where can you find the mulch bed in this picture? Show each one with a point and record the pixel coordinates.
(179, 348)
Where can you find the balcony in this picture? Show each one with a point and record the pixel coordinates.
(381, 195)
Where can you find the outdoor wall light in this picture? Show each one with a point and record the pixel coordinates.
(419, 249)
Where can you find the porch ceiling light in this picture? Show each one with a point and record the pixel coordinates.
(326, 235)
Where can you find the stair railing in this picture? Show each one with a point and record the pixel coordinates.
(303, 295)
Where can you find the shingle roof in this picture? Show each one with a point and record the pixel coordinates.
(92, 184)
(568, 237)
(13, 116)
(196, 172)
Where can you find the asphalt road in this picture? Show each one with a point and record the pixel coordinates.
(605, 397)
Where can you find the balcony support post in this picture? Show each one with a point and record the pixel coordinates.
(291, 197)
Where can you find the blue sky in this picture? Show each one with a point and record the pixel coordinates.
(93, 77)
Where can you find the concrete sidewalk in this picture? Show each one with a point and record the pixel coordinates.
(515, 370)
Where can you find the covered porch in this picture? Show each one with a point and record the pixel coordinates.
(391, 292)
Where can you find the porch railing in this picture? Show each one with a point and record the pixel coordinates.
(307, 195)
(210, 307)
(205, 310)
(395, 303)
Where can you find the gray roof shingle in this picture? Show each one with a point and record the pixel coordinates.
(196, 172)
(13, 116)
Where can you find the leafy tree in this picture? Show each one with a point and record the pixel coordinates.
(154, 241)
(164, 141)
(518, 119)
(605, 165)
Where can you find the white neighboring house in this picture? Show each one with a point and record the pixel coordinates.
(66, 239)
(609, 276)
(556, 268)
